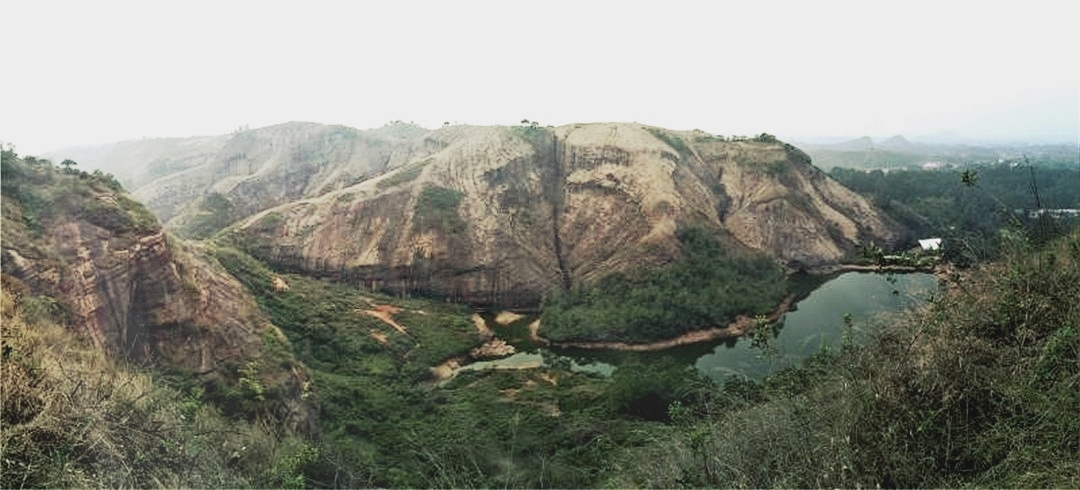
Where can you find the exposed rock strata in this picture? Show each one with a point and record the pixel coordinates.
(539, 209)
(139, 294)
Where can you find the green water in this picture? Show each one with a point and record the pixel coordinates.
(815, 322)
(818, 322)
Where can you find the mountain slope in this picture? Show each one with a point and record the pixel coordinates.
(103, 266)
(255, 169)
(505, 214)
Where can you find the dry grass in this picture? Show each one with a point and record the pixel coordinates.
(73, 417)
(981, 389)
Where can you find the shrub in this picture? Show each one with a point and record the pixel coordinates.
(978, 390)
(72, 417)
(403, 175)
(707, 287)
(673, 141)
(437, 209)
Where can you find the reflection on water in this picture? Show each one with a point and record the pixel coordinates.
(815, 322)
(818, 321)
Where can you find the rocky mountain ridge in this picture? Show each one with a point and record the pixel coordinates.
(103, 266)
(495, 214)
(503, 215)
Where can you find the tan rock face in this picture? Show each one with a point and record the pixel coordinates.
(528, 210)
(135, 294)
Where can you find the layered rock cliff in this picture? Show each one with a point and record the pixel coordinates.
(505, 214)
(111, 273)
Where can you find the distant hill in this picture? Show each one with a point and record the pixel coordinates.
(493, 214)
(899, 143)
(899, 152)
(256, 168)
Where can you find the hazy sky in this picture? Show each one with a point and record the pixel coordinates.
(96, 72)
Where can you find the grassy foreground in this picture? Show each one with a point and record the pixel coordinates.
(981, 389)
(72, 417)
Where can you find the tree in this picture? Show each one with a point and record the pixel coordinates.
(69, 166)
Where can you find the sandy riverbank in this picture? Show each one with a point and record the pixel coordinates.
(737, 328)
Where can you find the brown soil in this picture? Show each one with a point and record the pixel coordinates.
(738, 328)
(534, 333)
(279, 285)
(481, 326)
(507, 317)
(385, 314)
(446, 370)
(547, 378)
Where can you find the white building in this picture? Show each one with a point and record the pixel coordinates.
(930, 244)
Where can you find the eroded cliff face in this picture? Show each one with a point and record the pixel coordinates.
(505, 214)
(131, 290)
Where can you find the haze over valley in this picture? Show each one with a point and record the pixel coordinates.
(740, 245)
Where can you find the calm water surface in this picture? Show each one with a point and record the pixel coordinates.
(816, 322)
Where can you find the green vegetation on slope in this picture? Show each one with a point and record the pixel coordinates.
(41, 193)
(437, 209)
(73, 418)
(403, 175)
(215, 213)
(671, 140)
(384, 423)
(981, 389)
(706, 288)
(938, 203)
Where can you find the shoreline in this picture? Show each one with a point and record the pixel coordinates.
(841, 268)
(741, 326)
(738, 328)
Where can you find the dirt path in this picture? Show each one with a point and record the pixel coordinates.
(385, 314)
(738, 328)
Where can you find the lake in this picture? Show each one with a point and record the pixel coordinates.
(815, 322)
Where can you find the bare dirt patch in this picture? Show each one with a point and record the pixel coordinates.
(534, 333)
(385, 314)
(507, 317)
(446, 370)
(481, 326)
(279, 285)
(492, 348)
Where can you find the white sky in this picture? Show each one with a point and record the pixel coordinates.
(95, 72)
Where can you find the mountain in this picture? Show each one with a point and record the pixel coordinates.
(898, 143)
(858, 144)
(493, 214)
(256, 169)
(99, 262)
(503, 215)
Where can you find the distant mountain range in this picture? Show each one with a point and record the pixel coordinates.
(490, 214)
(900, 152)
